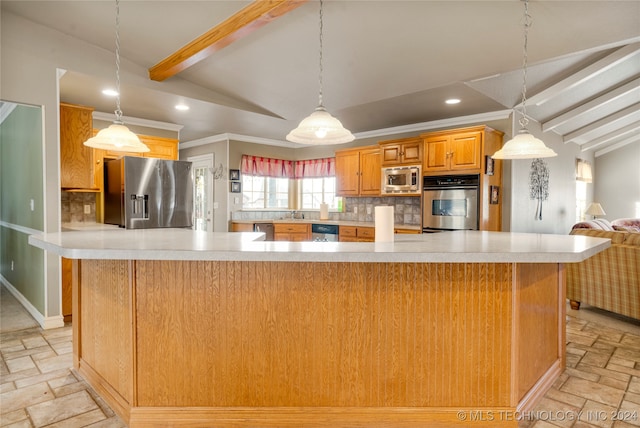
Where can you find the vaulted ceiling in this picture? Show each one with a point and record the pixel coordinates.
(387, 64)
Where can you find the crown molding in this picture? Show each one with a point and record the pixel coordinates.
(110, 117)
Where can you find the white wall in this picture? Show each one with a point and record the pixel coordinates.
(220, 150)
(558, 212)
(617, 182)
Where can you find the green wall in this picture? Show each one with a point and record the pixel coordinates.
(21, 180)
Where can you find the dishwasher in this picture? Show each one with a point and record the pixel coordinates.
(324, 232)
(266, 228)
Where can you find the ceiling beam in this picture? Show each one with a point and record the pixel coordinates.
(618, 119)
(243, 23)
(586, 74)
(631, 129)
(628, 90)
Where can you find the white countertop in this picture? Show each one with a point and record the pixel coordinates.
(186, 244)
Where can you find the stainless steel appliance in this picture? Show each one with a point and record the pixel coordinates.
(324, 232)
(450, 203)
(266, 228)
(144, 193)
(401, 180)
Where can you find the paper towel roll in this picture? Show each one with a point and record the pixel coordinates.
(324, 211)
(384, 223)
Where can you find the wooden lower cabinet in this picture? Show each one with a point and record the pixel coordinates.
(292, 232)
(356, 234)
(241, 227)
(290, 344)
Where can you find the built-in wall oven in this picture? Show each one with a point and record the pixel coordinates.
(450, 202)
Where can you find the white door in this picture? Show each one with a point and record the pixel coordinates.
(203, 192)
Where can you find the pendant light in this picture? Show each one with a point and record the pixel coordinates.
(117, 136)
(320, 127)
(524, 145)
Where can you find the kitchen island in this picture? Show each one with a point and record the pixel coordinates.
(182, 328)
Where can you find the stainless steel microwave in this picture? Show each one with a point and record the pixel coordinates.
(401, 180)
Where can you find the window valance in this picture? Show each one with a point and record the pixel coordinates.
(315, 168)
(267, 167)
(280, 168)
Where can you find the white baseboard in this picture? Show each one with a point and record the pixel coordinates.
(45, 322)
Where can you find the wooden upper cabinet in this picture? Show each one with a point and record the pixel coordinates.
(401, 152)
(76, 159)
(358, 171)
(162, 148)
(453, 151)
(370, 173)
(347, 173)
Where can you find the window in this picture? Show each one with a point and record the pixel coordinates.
(264, 192)
(266, 183)
(314, 191)
(581, 200)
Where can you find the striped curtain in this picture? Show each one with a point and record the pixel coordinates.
(267, 167)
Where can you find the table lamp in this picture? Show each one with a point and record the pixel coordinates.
(595, 209)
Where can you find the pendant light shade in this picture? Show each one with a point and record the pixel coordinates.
(320, 127)
(117, 137)
(524, 145)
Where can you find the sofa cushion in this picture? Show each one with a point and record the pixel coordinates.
(616, 237)
(597, 224)
(630, 223)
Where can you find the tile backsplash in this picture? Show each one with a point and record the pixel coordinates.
(407, 210)
(72, 205)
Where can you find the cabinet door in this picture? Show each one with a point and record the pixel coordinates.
(465, 151)
(162, 148)
(347, 173)
(76, 159)
(347, 234)
(366, 234)
(411, 152)
(391, 154)
(436, 154)
(370, 172)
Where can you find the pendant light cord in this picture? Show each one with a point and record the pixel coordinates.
(527, 24)
(320, 74)
(118, 112)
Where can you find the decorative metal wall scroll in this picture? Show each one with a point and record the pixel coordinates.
(539, 184)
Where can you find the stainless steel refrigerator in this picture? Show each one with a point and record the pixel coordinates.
(144, 193)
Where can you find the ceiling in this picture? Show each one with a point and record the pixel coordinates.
(386, 64)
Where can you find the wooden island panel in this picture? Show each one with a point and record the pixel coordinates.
(191, 343)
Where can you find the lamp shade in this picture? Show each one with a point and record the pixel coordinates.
(524, 146)
(320, 128)
(117, 137)
(595, 209)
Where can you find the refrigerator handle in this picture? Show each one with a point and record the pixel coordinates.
(145, 207)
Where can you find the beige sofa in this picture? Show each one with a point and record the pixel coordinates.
(609, 280)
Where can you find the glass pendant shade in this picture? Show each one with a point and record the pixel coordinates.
(117, 137)
(524, 146)
(320, 128)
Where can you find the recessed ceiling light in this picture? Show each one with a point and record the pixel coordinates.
(182, 107)
(110, 92)
(452, 101)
